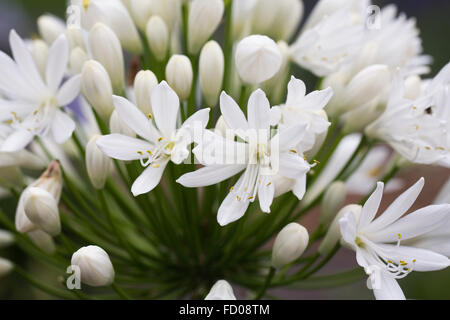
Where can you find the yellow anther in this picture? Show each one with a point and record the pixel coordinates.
(414, 260)
(268, 184)
(427, 147)
(390, 261)
(14, 115)
(399, 235)
(160, 139)
(414, 107)
(245, 189)
(250, 198)
(238, 198)
(150, 116)
(440, 148)
(293, 151)
(141, 153)
(149, 152)
(86, 4)
(156, 165)
(231, 189)
(35, 112)
(316, 162)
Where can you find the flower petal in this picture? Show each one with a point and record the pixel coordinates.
(149, 179)
(62, 127)
(397, 208)
(231, 209)
(232, 114)
(69, 91)
(258, 111)
(388, 288)
(266, 190)
(17, 141)
(123, 147)
(209, 175)
(165, 105)
(371, 206)
(58, 56)
(291, 136)
(135, 119)
(296, 91)
(292, 166)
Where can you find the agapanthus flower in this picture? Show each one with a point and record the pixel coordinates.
(161, 139)
(380, 245)
(259, 153)
(32, 105)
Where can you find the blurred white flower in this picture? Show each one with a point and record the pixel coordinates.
(221, 290)
(96, 269)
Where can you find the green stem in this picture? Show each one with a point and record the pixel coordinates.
(269, 278)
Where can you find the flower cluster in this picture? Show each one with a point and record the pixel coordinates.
(159, 136)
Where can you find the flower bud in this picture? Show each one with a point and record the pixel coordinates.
(105, 48)
(96, 269)
(141, 11)
(42, 240)
(211, 68)
(221, 290)
(168, 10)
(6, 238)
(365, 86)
(97, 163)
(358, 119)
(39, 51)
(334, 231)
(277, 19)
(257, 58)
(75, 35)
(5, 267)
(50, 27)
(78, 58)
(157, 37)
(42, 210)
(289, 244)
(179, 75)
(96, 88)
(204, 18)
(117, 125)
(333, 200)
(144, 83)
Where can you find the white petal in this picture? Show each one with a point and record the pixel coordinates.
(291, 136)
(425, 260)
(317, 100)
(388, 289)
(231, 209)
(149, 179)
(296, 91)
(397, 208)
(233, 115)
(69, 91)
(13, 83)
(165, 105)
(258, 111)
(292, 166)
(348, 228)
(62, 127)
(300, 187)
(19, 108)
(58, 57)
(371, 206)
(123, 147)
(135, 119)
(25, 61)
(266, 190)
(201, 118)
(209, 175)
(17, 141)
(414, 224)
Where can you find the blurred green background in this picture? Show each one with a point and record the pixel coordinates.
(434, 23)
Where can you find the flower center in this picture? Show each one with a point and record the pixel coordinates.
(148, 157)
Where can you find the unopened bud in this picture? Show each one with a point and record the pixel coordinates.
(333, 200)
(221, 290)
(6, 238)
(158, 37)
(42, 210)
(211, 69)
(39, 51)
(179, 75)
(5, 267)
(105, 48)
(97, 163)
(141, 10)
(289, 244)
(204, 18)
(95, 266)
(413, 86)
(50, 27)
(144, 83)
(257, 58)
(42, 240)
(334, 231)
(78, 58)
(96, 88)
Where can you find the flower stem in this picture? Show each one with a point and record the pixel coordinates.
(269, 278)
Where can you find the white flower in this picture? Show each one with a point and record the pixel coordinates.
(365, 178)
(332, 201)
(42, 209)
(158, 37)
(417, 129)
(211, 69)
(96, 269)
(257, 58)
(32, 105)
(6, 238)
(306, 109)
(204, 18)
(329, 44)
(179, 75)
(144, 82)
(378, 242)
(98, 165)
(289, 245)
(159, 144)
(5, 267)
(242, 13)
(260, 156)
(221, 290)
(444, 194)
(50, 27)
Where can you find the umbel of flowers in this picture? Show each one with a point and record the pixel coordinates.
(156, 147)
